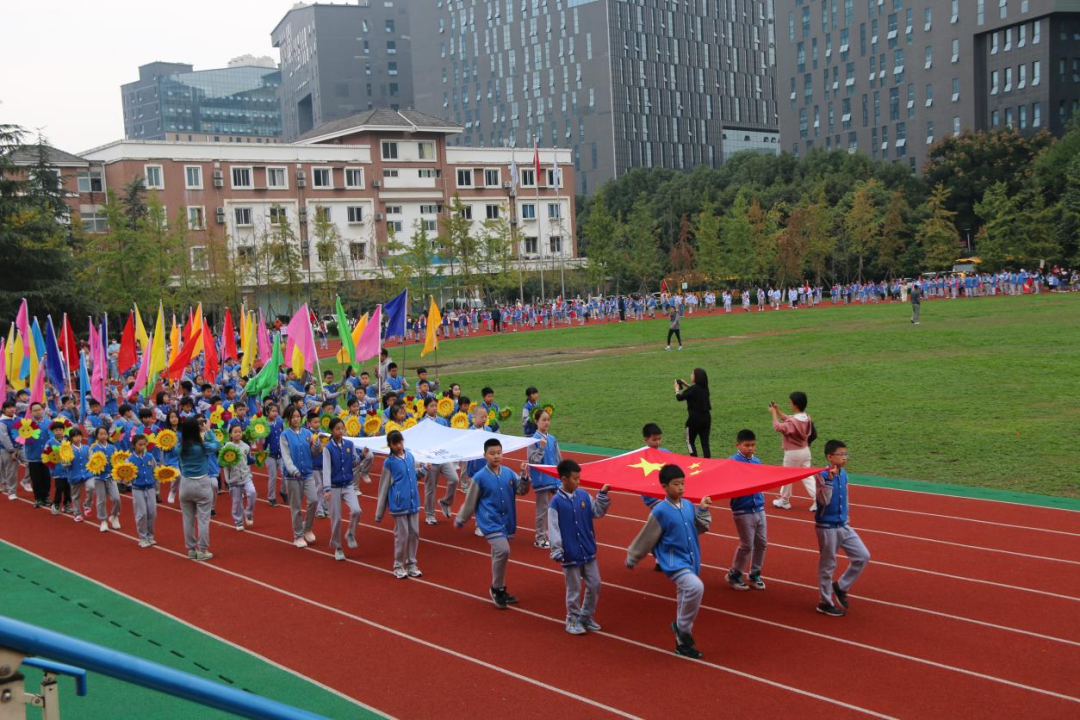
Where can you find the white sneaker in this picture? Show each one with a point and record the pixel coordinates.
(12, 495)
(144, 544)
(239, 527)
(104, 526)
(781, 503)
(249, 521)
(114, 522)
(366, 478)
(430, 520)
(813, 508)
(172, 497)
(309, 536)
(668, 348)
(680, 347)
(350, 540)
(400, 573)
(414, 572)
(300, 543)
(339, 555)
(479, 533)
(78, 518)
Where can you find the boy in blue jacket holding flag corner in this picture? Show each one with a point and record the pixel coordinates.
(833, 532)
(573, 545)
(748, 512)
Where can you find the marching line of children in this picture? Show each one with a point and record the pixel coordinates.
(320, 472)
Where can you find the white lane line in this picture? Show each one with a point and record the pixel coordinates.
(196, 628)
(731, 613)
(372, 623)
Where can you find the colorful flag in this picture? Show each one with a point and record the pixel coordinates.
(247, 342)
(97, 357)
(37, 390)
(267, 378)
(357, 331)
(127, 355)
(140, 330)
(536, 162)
(434, 319)
(300, 347)
(3, 366)
(143, 375)
(39, 345)
(69, 345)
(368, 345)
(396, 310)
(14, 359)
(182, 359)
(263, 336)
(84, 387)
(344, 332)
(158, 359)
(28, 364)
(54, 360)
(210, 357)
(228, 339)
(196, 329)
(175, 341)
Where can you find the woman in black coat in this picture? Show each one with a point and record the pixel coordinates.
(698, 410)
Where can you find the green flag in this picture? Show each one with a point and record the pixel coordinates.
(345, 333)
(267, 378)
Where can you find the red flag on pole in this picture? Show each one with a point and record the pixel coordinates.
(68, 345)
(536, 162)
(210, 352)
(126, 358)
(663, 285)
(228, 341)
(182, 360)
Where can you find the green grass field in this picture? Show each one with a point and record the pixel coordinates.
(983, 393)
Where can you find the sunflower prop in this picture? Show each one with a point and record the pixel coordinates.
(259, 428)
(260, 458)
(505, 413)
(66, 453)
(165, 474)
(124, 472)
(372, 425)
(418, 407)
(229, 456)
(217, 415)
(409, 422)
(445, 407)
(116, 434)
(219, 435)
(352, 426)
(166, 440)
(550, 409)
(50, 456)
(391, 426)
(62, 419)
(96, 463)
(120, 456)
(472, 407)
(460, 421)
(343, 414)
(324, 422)
(28, 430)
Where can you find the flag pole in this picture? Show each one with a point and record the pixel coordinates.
(318, 365)
(404, 335)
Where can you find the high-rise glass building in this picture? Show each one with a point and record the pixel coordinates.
(172, 100)
(623, 83)
(892, 77)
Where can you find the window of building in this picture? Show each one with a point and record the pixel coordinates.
(464, 177)
(929, 57)
(200, 258)
(425, 150)
(528, 211)
(1003, 9)
(956, 88)
(389, 150)
(995, 119)
(528, 177)
(1009, 118)
(279, 214)
(466, 212)
(1021, 79)
(1076, 70)
(429, 173)
(1023, 117)
(196, 218)
(322, 177)
(530, 246)
(554, 211)
(277, 178)
(955, 12)
(389, 26)
(956, 125)
(1036, 115)
(354, 177)
(929, 95)
(1008, 80)
(245, 253)
(391, 47)
(243, 216)
(555, 244)
(93, 218)
(1036, 35)
(1036, 72)
(322, 213)
(430, 209)
(241, 177)
(394, 226)
(390, 172)
(393, 209)
(355, 214)
(1008, 40)
(1021, 36)
(357, 251)
(956, 50)
(90, 181)
(491, 177)
(155, 178)
(994, 43)
(491, 212)
(430, 226)
(929, 132)
(193, 177)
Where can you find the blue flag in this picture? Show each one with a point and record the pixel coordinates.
(54, 362)
(39, 339)
(84, 387)
(395, 312)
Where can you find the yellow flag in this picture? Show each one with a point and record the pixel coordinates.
(297, 362)
(158, 359)
(14, 353)
(140, 330)
(434, 318)
(196, 330)
(247, 343)
(342, 356)
(175, 341)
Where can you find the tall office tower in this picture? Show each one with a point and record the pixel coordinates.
(337, 60)
(172, 101)
(622, 83)
(891, 77)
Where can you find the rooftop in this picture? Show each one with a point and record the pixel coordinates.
(28, 155)
(379, 119)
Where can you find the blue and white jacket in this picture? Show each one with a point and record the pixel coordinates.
(398, 490)
(747, 504)
(547, 455)
(297, 453)
(570, 526)
(832, 500)
(493, 497)
(338, 462)
(144, 463)
(673, 531)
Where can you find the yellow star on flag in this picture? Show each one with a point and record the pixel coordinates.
(695, 466)
(647, 467)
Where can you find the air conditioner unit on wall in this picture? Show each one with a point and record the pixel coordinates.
(301, 179)
(221, 215)
(303, 215)
(376, 183)
(378, 216)
(219, 179)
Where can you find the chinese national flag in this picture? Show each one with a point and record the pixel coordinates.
(536, 162)
(638, 472)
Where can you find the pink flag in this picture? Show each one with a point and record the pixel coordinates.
(37, 393)
(144, 369)
(97, 355)
(22, 324)
(3, 370)
(263, 337)
(300, 337)
(368, 345)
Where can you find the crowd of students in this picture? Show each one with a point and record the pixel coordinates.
(204, 436)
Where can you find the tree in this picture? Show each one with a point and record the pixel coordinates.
(134, 203)
(333, 260)
(937, 234)
(737, 240)
(763, 231)
(710, 258)
(894, 233)
(682, 253)
(791, 246)
(818, 231)
(601, 233)
(1017, 232)
(284, 258)
(461, 249)
(497, 248)
(643, 262)
(862, 226)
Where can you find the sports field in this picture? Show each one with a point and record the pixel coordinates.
(982, 393)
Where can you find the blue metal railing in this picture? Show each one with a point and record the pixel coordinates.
(29, 639)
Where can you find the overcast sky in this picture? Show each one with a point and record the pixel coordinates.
(65, 60)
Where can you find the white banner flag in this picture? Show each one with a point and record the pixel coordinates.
(431, 442)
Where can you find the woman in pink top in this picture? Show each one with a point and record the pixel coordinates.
(796, 432)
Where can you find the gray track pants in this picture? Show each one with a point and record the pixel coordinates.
(339, 495)
(239, 493)
(106, 488)
(689, 591)
(9, 471)
(196, 502)
(500, 556)
(752, 542)
(431, 486)
(576, 609)
(145, 511)
(298, 491)
(829, 541)
(406, 539)
(273, 470)
(543, 502)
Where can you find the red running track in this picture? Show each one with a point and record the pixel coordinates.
(952, 615)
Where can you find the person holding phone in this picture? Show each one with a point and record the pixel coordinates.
(698, 410)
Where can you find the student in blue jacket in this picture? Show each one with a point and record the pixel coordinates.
(748, 512)
(339, 460)
(77, 472)
(672, 529)
(144, 491)
(573, 545)
(36, 469)
(493, 497)
(545, 452)
(399, 493)
(833, 532)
